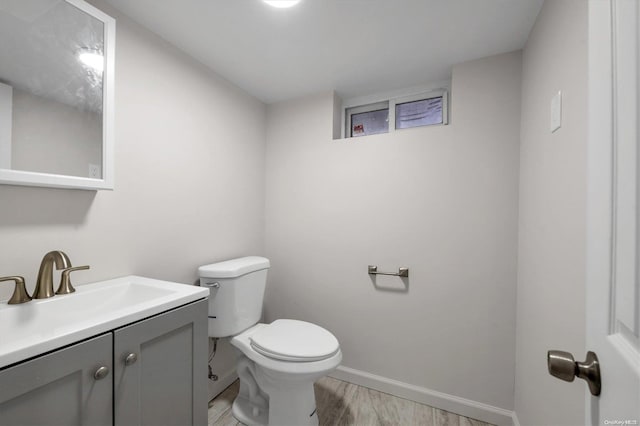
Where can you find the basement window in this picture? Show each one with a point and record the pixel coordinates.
(368, 119)
(421, 112)
(423, 109)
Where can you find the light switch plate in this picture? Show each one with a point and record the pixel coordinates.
(556, 112)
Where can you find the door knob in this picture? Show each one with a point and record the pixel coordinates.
(562, 365)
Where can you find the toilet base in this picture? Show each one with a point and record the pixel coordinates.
(247, 413)
(243, 411)
(278, 402)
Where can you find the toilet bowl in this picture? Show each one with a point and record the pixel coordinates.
(277, 363)
(283, 360)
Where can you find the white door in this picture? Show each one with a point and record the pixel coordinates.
(613, 274)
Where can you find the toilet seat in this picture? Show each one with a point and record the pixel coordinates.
(294, 341)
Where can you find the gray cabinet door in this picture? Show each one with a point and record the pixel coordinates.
(59, 388)
(167, 383)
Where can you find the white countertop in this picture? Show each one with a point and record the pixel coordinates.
(41, 325)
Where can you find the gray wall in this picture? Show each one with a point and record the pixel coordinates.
(552, 233)
(189, 178)
(440, 200)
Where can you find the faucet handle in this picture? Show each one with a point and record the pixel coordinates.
(20, 294)
(65, 281)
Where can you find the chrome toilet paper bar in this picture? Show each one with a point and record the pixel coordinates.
(402, 272)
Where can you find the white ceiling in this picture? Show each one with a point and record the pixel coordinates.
(356, 47)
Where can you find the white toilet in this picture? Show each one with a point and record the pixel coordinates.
(278, 362)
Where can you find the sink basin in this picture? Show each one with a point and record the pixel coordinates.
(36, 327)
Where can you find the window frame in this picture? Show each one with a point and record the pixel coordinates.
(390, 103)
(377, 106)
(421, 97)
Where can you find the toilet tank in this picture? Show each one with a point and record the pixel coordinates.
(236, 292)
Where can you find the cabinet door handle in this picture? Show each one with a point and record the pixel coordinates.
(130, 359)
(101, 373)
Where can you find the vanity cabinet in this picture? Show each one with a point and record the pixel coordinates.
(59, 388)
(157, 375)
(167, 382)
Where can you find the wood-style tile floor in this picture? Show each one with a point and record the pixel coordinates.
(342, 403)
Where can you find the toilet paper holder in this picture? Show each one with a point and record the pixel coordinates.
(402, 272)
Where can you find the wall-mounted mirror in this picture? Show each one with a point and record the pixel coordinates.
(56, 94)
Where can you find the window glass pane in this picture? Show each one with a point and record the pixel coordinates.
(419, 113)
(370, 122)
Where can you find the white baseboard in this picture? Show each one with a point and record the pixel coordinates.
(464, 407)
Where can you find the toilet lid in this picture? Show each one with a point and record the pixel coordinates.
(292, 340)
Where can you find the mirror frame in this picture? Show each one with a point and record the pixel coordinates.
(21, 177)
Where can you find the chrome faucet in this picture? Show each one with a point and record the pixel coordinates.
(44, 285)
